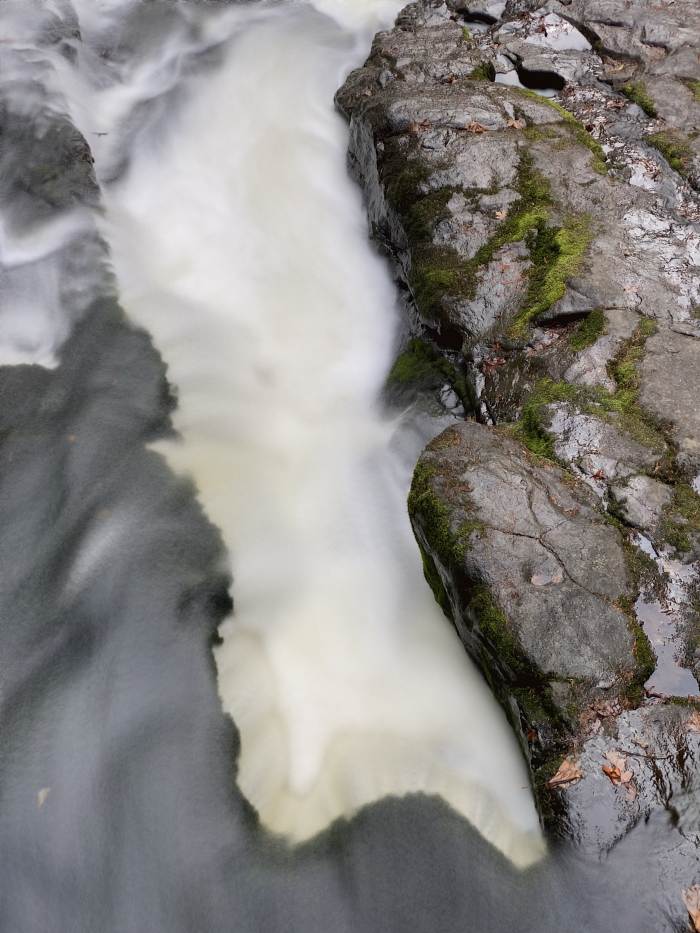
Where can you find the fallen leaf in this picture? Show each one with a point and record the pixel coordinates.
(517, 124)
(41, 796)
(567, 773)
(475, 127)
(692, 723)
(617, 769)
(691, 899)
(501, 215)
(612, 773)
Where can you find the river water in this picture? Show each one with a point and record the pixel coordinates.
(371, 782)
(240, 243)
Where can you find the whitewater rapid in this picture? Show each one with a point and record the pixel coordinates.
(240, 243)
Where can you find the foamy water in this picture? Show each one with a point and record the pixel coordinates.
(240, 243)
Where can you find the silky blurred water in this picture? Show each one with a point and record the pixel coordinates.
(260, 325)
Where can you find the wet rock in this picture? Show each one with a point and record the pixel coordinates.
(521, 557)
(670, 388)
(636, 31)
(591, 365)
(551, 249)
(596, 447)
(641, 502)
(498, 205)
(656, 750)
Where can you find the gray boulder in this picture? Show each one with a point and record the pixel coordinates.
(521, 557)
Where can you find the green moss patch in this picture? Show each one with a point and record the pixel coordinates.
(636, 91)
(681, 519)
(421, 366)
(556, 254)
(645, 572)
(694, 87)
(425, 212)
(577, 130)
(436, 273)
(434, 517)
(620, 407)
(439, 271)
(484, 71)
(588, 331)
(418, 363)
(434, 581)
(646, 663)
(538, 133)
(530, 429)
(494, 626)
(642, 650)
(624, 369)
(674, 147)
(402, 174)
(527, 214)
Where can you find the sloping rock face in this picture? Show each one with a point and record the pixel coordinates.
(535, 578)
(532, 169)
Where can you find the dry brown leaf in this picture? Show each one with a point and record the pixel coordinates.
(692, 723)
(517, 124)
(475, 127)
(691, 899)
(567, 773)
(617, 769)
(612, 773)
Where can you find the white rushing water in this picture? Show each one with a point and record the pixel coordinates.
(240, 243)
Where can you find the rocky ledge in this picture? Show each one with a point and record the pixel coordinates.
(533, 171)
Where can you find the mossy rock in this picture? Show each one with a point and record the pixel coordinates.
(509, 597)
(674, 146)
(637, 92)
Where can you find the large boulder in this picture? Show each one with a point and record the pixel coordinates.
(535, 578)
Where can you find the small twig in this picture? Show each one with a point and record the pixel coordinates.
(645, 755)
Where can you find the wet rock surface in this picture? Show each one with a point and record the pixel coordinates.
(535, 181)
(534, 575)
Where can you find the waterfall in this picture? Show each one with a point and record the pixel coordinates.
(240, 243)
